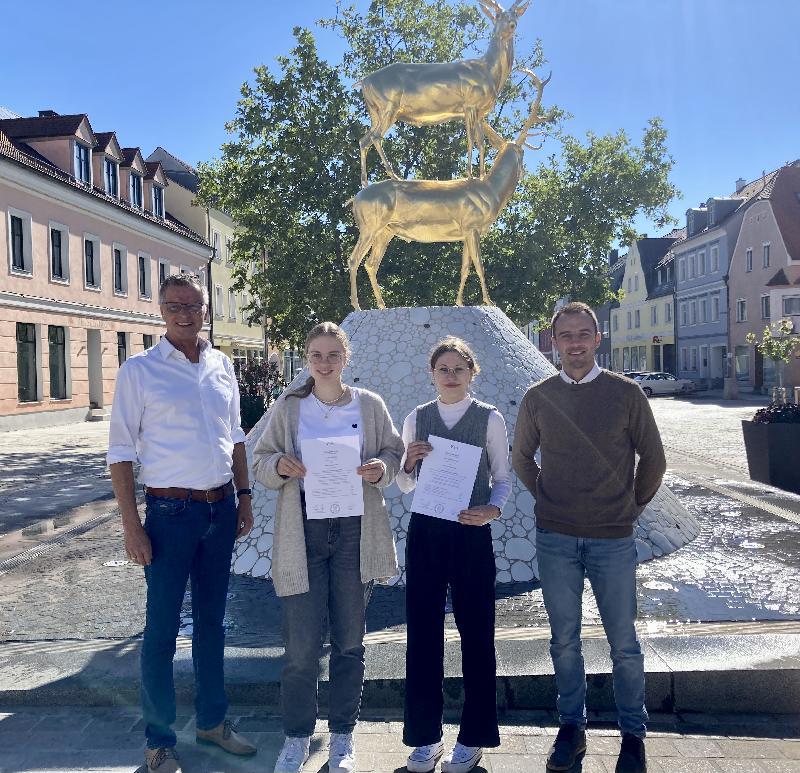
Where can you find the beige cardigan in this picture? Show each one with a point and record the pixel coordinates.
(381, 442)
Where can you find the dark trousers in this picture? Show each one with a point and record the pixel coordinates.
(190, 540)
(441, 553)
(336, 597)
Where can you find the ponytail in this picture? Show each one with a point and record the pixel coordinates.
(303, 391)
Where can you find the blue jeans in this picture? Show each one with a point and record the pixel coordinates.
(610, 565)
(190, 540)
(336, 598)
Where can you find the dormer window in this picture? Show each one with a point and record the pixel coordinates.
(158, 201)
(710, 214)
(136, 190)
(83, 166)
(111, 174)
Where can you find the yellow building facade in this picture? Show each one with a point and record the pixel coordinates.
(642, 324)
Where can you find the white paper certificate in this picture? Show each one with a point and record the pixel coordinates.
(445, 482)
(333, 488)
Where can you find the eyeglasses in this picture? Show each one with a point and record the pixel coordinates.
(444, 372)
(334, 358)
(175, 308)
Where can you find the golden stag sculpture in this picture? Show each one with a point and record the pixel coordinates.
(440, 210)
(427, 94)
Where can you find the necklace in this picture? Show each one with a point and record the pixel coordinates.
(327, 407)
(335, 399)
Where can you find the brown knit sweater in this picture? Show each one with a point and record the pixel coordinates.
(588, 434)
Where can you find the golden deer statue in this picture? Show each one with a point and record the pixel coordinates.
(426, 94)
(440, 210)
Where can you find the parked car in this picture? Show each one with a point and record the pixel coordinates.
(634, 374)
(664, 384)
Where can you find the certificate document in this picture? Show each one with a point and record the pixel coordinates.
(333, 488)
(446, 479)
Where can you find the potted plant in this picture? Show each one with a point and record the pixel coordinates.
(772, 438)
(260, 384)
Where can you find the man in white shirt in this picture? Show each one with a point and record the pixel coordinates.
(176, 412)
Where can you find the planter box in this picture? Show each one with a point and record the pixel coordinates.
(773, 454)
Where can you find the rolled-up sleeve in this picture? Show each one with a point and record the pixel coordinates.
(126, 417)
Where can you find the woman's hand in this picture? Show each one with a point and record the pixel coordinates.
(372, 472)
(290, 467)
(479, 515)
(417, 450)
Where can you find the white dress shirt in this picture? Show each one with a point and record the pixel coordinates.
(590, 376)
(496, 448)
(179, 419)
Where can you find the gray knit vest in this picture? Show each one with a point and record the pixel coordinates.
(470, 428)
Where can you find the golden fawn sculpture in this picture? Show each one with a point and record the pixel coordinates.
(427, 94)
(440, 210)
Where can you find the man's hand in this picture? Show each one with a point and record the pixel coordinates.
(244, 516)
(290, 467)
(479, 515)
(372, 472)
(137, 545)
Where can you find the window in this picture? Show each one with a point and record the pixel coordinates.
(741, 310)
(654, 315)
(158, 201)
(163, 271)
(91, 262)
(122, 347)
(684, 315)
(27, 370)
(615, 319)
(638, 318)
(111, 174)
(605, 327)
(668, 312)
(704, 310)
(19, 242)
(292, 364)
(791, 305)
(765, 307)
(57, 342)
(682, 269)
(703, 357)
(219, 311)
(59, 252)
(766, 256)
(83, 168)
(136, 190)
(215, 245)
(714, 258)
(228, 252)
(715, 308)
(684, 359)
(144, 274)
(120, 260)
(692, 266)
(147, 340)
(701, 263)
(742, 360)
(693, 310)
(246, 317)
(636, 283)
(659, 280)
(748, 260)
(629, 321)
(231, 305)
(693, 358)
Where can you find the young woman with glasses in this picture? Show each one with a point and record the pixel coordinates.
(323, 568)
(458, 554)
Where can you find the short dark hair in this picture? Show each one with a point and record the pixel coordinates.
(574, 307)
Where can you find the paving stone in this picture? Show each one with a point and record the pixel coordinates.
(790, 749)
(737, 749)
(697, 748)
(740, 766)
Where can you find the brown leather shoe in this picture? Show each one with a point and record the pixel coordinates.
(225, 736)
(163, 760)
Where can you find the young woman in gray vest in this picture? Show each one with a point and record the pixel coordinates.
(458, 554)
(323, 567)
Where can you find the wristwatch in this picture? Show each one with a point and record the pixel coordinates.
(242, 491)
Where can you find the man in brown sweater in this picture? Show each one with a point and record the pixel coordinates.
(588, 423)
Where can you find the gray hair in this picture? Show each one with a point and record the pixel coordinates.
(183, 280)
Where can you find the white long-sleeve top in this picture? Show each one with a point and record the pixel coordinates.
(179, 419)
(496, 448)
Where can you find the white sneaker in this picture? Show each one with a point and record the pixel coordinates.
(293, 755)
(424, 758)
(461, 759)
(341, 757)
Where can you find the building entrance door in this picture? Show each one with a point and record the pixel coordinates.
(94, 351)
(669, 359)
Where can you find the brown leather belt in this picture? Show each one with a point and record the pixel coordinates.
(211, 496)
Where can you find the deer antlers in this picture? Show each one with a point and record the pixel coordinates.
(534, 119)
(491, 7)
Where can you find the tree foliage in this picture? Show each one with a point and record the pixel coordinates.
(293, 161)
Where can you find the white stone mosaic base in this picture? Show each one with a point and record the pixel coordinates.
(390, 356)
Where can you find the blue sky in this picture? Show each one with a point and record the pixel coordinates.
(723, 74)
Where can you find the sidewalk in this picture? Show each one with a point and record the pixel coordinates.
(70, 740)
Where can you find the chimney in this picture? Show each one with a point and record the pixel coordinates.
(740, 183)
(47, 114)
(613, 256)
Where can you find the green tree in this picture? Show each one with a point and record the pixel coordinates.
(293, 161)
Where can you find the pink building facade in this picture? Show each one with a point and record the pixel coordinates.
(86, 239)
(764, 279)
